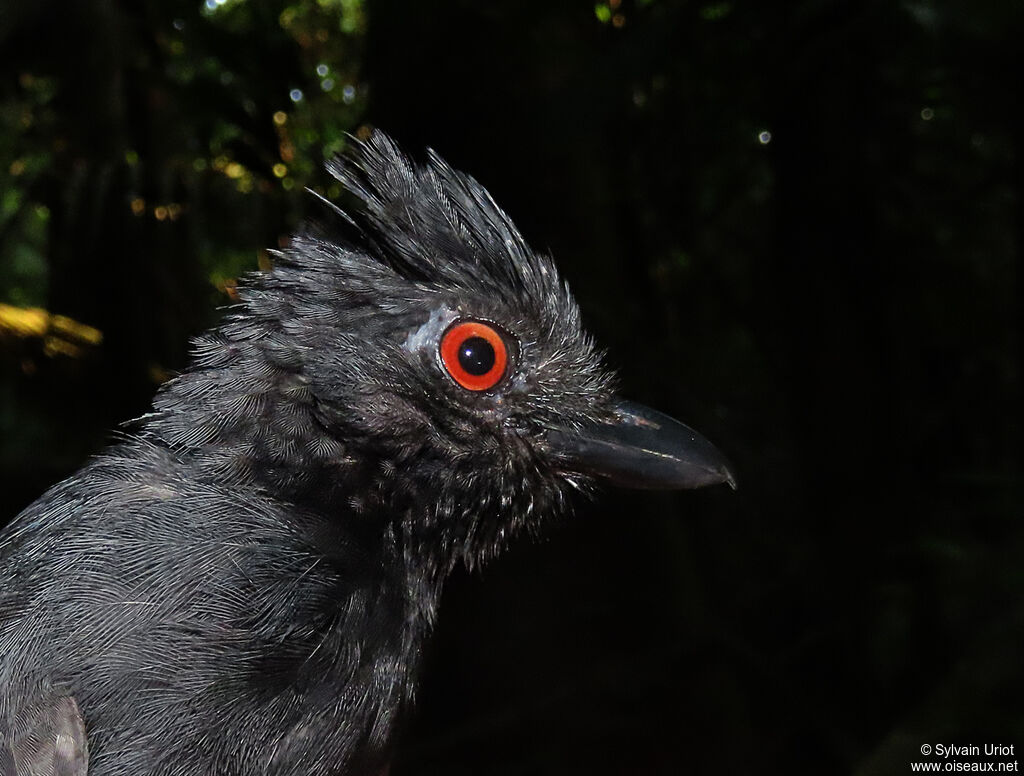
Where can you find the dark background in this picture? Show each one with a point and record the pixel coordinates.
(795, 226)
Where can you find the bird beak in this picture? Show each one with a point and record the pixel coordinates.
(642, 448)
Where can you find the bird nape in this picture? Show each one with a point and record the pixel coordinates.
(244, 584)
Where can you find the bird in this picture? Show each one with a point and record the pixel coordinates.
(245, 581)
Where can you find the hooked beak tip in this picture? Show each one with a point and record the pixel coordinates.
(643, 448)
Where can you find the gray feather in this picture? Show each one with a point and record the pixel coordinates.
(244, 583)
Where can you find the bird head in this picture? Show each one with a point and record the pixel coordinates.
(437, 367)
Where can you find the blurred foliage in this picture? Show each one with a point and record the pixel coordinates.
(798, 228)
(142, 162)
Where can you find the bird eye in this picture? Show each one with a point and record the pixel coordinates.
(474, 355)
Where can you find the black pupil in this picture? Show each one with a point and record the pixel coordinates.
(476, 356)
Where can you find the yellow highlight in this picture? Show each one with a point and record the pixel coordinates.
(61, 335)
(234, 170)
(280, 170)
(53, 346)
(24, 321)
(280, 118)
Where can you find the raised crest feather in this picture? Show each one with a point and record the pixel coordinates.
(434, 224)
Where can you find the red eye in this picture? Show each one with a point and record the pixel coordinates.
(474, 355)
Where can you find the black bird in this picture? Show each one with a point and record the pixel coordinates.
(244, 584)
